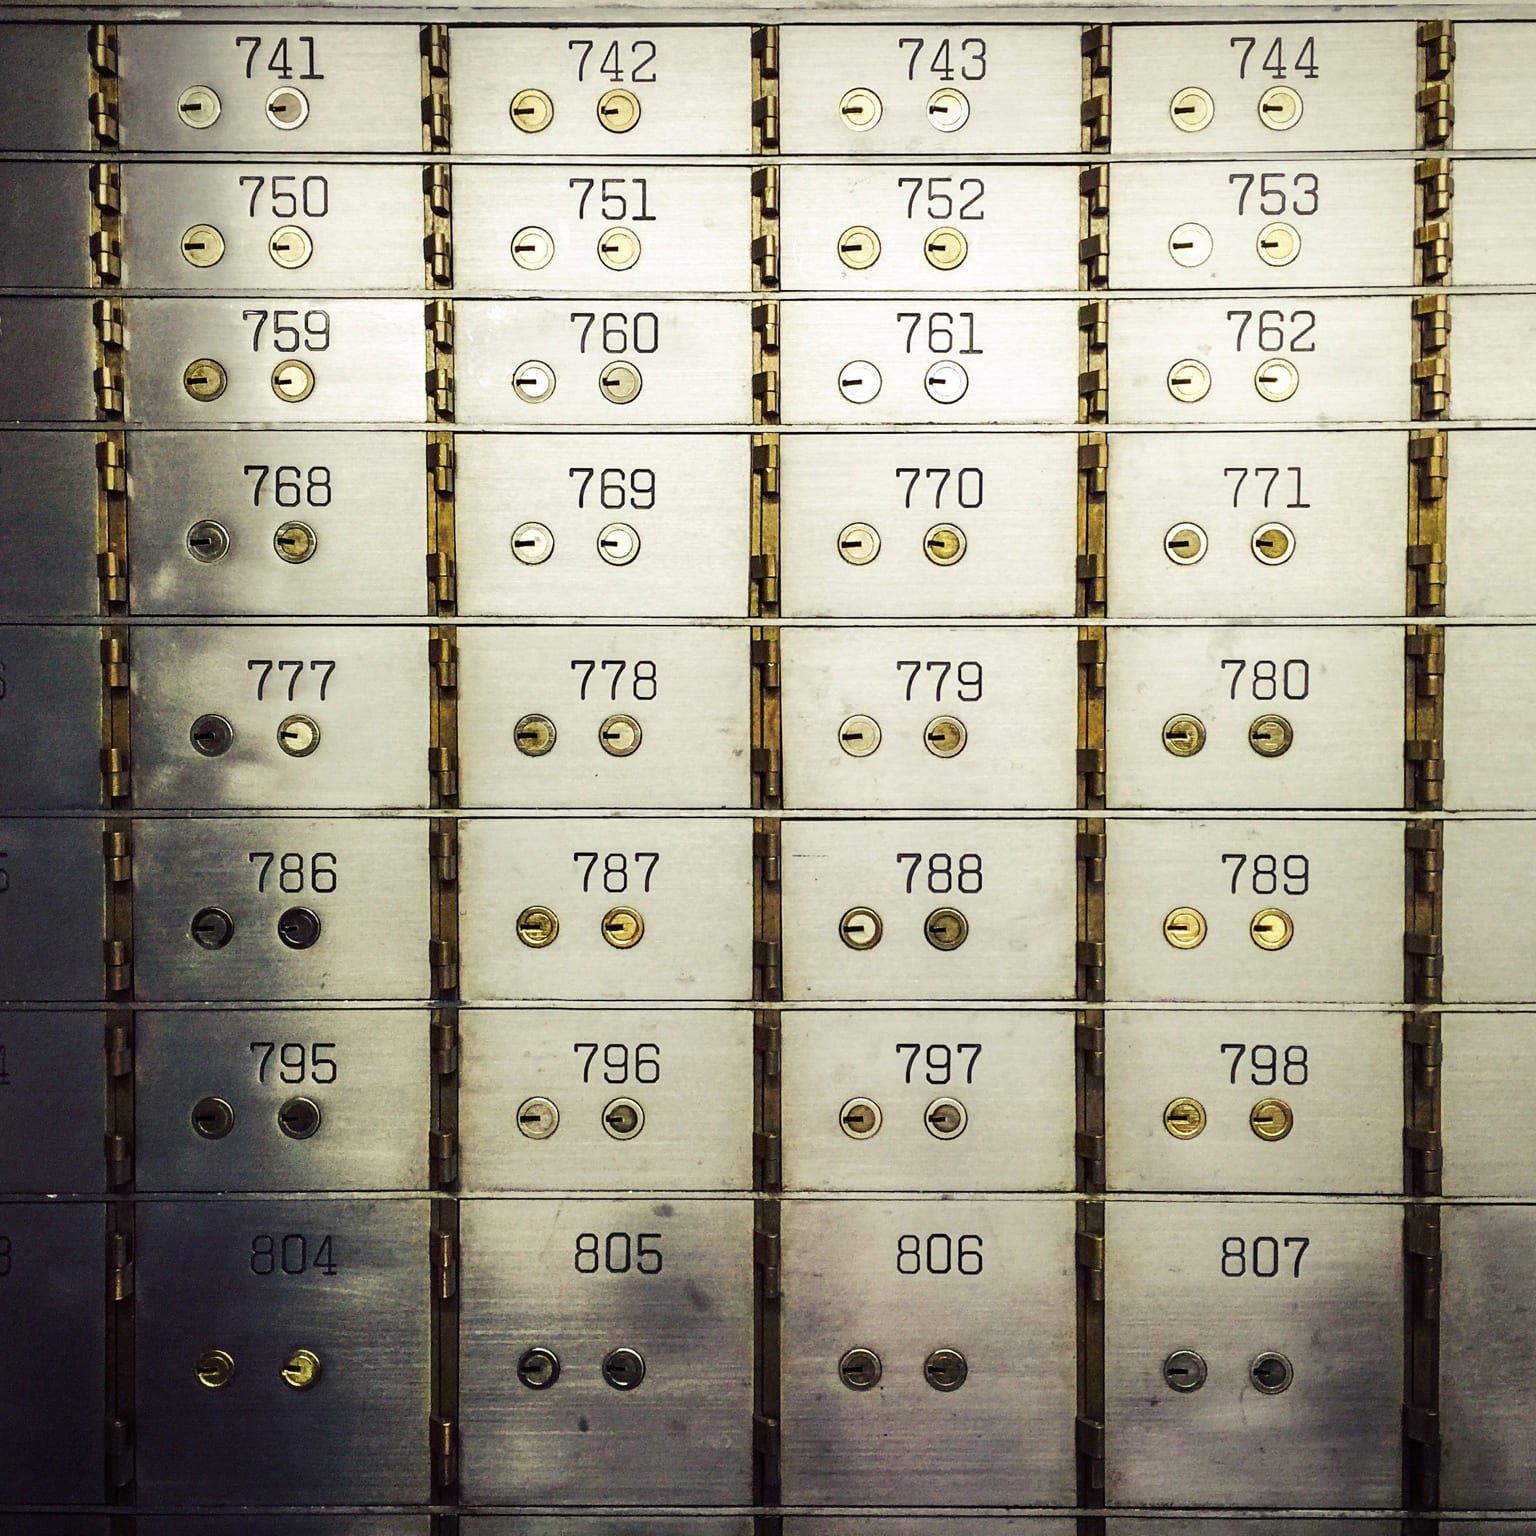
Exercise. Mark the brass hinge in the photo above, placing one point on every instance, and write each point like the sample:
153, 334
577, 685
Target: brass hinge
766, 1255
765, 260
1090, 1438
439, 256
1422, 1031
1096, 49
106, 256
437, 185
1436, 114
767, 960
765, 465
120, 1265
444, 661
445, 857
1435, 186
765, 188
766, 769
1093, 189
765, 89
1432, 383
765, 324
119, 856
767, 1034
1093, 377
443, 767
114, 660
1091, 657
1437, 43
767, 851
440, 392
764, 571
1093, 257
1433, 240
445, 1264
104, 50
1421, 1233
766, 658
105, 128
120, 1457
440, 323
119, 1050
440, 577
443, 1150
767, 1160
1089, 1035
114, 772
1095, 119
107, 315
1091, 843
1090, 1253
444, 960
445, 1044
113, 575
119, 970
441, 460
435, 116
119, 1159
1427, 452
445, 1458
106, 188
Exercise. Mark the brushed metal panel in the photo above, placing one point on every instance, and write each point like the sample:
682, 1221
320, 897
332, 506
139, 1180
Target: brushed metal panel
51, 939
1011, 1072
1352, 364
1339, 688
365, 1071
1014, 690
693, 224
59, 330
1018, 517
687, 689
685, 497
284, 1525
1353, 218
1494, 575
50, 718
1489, 697
691, 1073
1493, 245
52, 1419
1268, 1525
48, 73
694, 897
1333, 1438
1005, 1436
359, 1435
690, 1319
1022, 922
362, 85
365, 688
1347, 906
371, 895
1487, 893
607, 1525
1341, 1075
1489, 1062
693, 84
371, 368
1022, 86
1356, 85
1341, 496
55, 1525
1019, 224
44, 210
695, 365
48, 510
362, 495
1490, 329
364, 223
1493, 108
1487, 1330
829, 344
53, 1103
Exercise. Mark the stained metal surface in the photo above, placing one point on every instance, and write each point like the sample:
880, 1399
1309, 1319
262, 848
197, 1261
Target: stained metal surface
366, 880
1495, 576
692, 84
342, 1278
1338, 1073
361, 87
53, 882
680, 698
1005, 1436
362, 495
689, 1074
1008, 1074
1019, 223
1485, 881
45, 206
32, 329
1486, 1327
1487, 766
359, 1069
50, 718
47, 505
1327, 1303
53, 1111
1021, 934
352, 700
52, 1420
684, 876
1339, 497
689, 1317
1011, 692
684, 497
1338, 690
691, 227
254, 207
1020, 86
48, 68
1011, 496
1488, 1149
1343, 891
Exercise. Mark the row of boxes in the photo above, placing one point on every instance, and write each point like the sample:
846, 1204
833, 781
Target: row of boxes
1255, 1340
634, 909
979, 88
628, 228
689, 362
1207, 1101
648, 717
